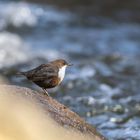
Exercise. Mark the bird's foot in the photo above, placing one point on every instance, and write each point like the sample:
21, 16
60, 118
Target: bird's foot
46, 93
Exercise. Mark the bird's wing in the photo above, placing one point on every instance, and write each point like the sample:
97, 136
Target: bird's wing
42, 72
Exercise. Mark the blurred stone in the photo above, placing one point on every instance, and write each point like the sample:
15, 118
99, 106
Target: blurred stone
137, 106
70, 85
106, 108
110, 59
91, 101
116, 120
88, 114
118, 109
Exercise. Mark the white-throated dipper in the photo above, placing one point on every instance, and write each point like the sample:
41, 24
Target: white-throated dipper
47, 75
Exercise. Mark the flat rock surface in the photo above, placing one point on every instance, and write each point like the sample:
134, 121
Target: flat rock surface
60, 113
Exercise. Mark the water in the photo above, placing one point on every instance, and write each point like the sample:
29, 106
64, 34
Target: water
102, 86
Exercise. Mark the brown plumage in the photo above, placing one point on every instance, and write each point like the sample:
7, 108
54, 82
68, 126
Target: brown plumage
47, 75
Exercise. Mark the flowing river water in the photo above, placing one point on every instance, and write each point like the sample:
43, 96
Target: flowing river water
102, 86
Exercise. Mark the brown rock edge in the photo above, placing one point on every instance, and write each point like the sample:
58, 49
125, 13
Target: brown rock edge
60, 113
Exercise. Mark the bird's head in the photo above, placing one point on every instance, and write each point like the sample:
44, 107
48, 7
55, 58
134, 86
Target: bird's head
61, 63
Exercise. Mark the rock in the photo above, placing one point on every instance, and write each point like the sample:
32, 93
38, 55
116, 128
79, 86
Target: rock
60, 113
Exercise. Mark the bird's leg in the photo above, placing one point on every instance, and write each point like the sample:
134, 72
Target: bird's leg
46, 92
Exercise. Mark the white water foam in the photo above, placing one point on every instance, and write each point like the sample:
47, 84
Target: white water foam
12, 49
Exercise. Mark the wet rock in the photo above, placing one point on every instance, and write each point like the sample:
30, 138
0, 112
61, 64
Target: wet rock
118, 109
110, 59
121, 119
116, 120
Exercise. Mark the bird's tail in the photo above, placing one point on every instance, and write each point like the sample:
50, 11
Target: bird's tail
20, 73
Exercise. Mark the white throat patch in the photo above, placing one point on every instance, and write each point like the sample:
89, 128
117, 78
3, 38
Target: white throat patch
61, 73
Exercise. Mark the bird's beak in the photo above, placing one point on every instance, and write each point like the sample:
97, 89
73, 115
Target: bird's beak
70, 64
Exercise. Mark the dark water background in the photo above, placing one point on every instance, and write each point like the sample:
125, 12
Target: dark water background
102, 39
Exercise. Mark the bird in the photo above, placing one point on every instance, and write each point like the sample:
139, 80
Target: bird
47, 75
